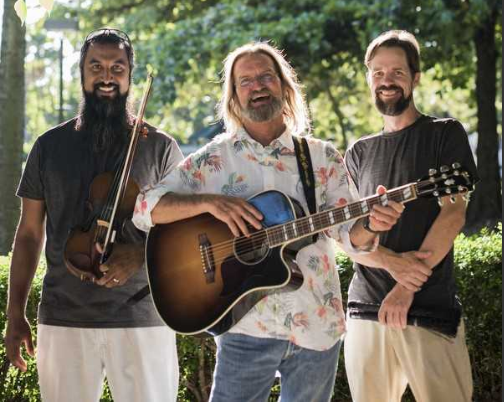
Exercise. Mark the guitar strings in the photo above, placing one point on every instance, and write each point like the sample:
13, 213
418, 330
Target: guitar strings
223, 250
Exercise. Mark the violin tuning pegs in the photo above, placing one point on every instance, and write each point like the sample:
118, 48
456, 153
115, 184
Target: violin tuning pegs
440, 201
432, 172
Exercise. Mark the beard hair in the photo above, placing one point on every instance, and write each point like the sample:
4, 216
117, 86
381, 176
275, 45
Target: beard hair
107, 120
393, 108
264, 112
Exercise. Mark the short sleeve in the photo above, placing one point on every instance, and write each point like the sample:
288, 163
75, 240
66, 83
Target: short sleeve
455, 148
31, 184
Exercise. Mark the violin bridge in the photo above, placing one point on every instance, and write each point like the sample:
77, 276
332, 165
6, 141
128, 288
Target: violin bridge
99, 222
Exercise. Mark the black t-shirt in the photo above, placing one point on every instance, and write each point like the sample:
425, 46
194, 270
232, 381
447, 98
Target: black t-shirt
394, 159
59, 171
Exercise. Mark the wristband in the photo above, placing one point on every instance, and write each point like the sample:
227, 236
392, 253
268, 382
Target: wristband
365, 225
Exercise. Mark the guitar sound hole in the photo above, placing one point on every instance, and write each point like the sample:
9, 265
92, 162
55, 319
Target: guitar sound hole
251, 250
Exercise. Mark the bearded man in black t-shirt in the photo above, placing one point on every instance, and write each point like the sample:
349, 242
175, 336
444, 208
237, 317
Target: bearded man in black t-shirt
404, 323
90, 327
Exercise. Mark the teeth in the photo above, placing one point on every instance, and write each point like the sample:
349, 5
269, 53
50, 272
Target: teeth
106, 89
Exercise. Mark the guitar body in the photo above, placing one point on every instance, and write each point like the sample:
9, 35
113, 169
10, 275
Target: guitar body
243, 271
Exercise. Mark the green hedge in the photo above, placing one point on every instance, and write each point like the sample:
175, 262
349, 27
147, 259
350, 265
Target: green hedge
479, 276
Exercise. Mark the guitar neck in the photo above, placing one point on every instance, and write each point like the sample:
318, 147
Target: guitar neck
309, 225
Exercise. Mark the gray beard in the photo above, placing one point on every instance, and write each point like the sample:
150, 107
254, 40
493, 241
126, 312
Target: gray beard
264, 112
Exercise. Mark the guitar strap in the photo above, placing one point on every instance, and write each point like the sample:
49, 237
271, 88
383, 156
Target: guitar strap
305, 168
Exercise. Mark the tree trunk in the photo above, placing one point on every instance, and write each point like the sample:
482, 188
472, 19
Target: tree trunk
12, 111
485, 208
341, 118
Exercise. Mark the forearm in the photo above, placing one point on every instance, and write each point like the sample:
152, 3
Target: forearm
360, 237
173, 207
375, 259
442, 233
24, 262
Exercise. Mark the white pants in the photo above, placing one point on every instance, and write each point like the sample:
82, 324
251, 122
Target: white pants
140, 364
381, 361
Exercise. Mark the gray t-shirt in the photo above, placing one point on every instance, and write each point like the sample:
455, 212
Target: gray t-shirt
394, 159
59, 171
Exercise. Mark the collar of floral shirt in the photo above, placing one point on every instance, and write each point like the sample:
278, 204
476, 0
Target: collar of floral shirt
285, 140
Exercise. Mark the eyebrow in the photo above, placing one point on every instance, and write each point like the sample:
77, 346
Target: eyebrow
269, 70
118, 61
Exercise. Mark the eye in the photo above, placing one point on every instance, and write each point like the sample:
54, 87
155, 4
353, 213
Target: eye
378, 74
95, 67
245, 82
399, 72
267, 78
118, 68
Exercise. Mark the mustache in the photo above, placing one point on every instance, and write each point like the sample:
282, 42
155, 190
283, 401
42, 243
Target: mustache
389, 88
102, 84
256, 94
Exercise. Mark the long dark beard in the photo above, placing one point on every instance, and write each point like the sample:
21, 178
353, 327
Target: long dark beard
395, 108
264, 112
107, 120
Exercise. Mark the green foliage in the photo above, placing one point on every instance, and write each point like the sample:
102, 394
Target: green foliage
478, 261
186, 41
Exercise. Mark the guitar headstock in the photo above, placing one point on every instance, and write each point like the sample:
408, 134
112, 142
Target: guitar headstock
448, 181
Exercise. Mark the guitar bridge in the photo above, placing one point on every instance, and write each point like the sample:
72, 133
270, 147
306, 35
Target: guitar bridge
207, 258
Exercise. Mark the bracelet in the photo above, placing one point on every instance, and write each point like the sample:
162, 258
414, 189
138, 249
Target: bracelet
365, 225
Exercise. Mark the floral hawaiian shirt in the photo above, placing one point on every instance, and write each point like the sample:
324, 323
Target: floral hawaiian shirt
236, 165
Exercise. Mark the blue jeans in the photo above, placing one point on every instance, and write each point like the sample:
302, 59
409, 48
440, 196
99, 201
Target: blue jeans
246, 367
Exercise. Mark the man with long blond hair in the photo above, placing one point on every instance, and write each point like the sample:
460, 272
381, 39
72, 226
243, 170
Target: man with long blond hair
296, 334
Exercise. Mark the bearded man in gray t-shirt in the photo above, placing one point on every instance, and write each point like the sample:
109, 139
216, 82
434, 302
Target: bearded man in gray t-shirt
409, 278
91, 326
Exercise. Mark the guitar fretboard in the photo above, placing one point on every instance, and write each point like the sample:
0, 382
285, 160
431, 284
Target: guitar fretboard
306, 226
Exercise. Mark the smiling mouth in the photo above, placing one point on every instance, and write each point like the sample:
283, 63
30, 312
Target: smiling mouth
260, 100
106, 90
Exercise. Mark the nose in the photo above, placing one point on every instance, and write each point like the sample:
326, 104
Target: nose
388, 78
107, 76
257, 84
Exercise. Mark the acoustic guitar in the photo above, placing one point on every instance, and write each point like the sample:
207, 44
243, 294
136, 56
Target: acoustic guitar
203, 280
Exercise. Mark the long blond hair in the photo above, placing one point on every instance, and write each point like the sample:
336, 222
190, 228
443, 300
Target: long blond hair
295, 110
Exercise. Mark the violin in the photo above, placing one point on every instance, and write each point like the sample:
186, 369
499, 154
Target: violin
111, 201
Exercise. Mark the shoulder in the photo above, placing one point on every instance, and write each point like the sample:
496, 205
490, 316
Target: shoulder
157, 135
443, 123
58, 133
323, 151
364, 143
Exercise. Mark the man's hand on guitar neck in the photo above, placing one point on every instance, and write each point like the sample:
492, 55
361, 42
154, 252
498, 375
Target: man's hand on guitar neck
381, 219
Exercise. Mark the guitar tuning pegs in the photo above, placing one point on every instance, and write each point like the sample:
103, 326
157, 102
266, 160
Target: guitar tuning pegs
435, 193
453, 199
444, 169
432, 172
448, 190
440, 201
456, 165
466, 196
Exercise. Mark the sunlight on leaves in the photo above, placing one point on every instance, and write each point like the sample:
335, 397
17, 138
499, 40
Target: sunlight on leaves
20, 8
47, 4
